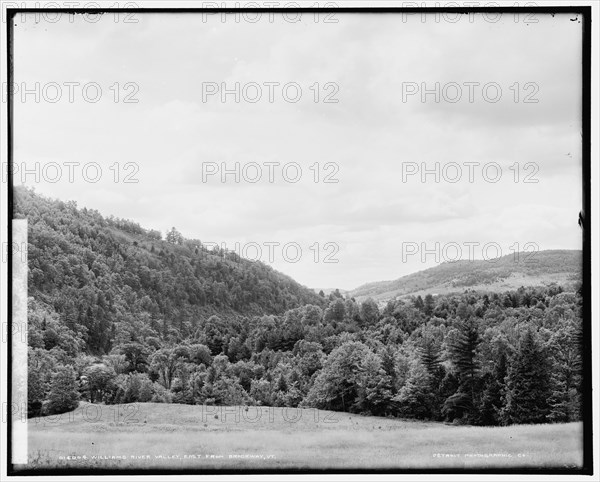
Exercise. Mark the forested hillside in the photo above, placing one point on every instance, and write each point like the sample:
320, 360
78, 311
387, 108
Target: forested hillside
104, 277
508, 272
116, 315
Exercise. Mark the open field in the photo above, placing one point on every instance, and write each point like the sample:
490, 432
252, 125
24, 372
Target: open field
162, 436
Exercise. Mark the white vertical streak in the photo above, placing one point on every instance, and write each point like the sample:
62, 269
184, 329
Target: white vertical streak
19, 342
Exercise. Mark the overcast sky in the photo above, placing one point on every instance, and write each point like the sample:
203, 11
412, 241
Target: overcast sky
370, 135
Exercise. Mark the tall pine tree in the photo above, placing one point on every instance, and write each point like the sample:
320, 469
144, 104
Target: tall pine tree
463, 354
528, 384
492, 397
565, 349
429, 355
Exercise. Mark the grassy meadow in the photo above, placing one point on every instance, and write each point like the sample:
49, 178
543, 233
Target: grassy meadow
164, 436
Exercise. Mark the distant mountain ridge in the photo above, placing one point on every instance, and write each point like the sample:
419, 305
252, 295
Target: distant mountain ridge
506, 273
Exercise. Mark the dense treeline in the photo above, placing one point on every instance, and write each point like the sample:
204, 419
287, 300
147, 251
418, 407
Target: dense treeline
104, 275
471, 358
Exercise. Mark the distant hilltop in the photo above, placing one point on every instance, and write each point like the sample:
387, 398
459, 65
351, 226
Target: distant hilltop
563, 267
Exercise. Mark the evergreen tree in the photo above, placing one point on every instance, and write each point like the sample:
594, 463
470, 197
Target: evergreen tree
389, 365
428, 305
528, 384
492, 397
429, 354
566, 348
463, 354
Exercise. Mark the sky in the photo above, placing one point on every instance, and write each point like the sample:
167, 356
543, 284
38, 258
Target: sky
143, 102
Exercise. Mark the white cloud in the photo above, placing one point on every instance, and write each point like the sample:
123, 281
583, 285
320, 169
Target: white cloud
369, 133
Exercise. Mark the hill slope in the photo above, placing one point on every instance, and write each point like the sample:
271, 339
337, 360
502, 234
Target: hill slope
509, 272
96, 272
119, 316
